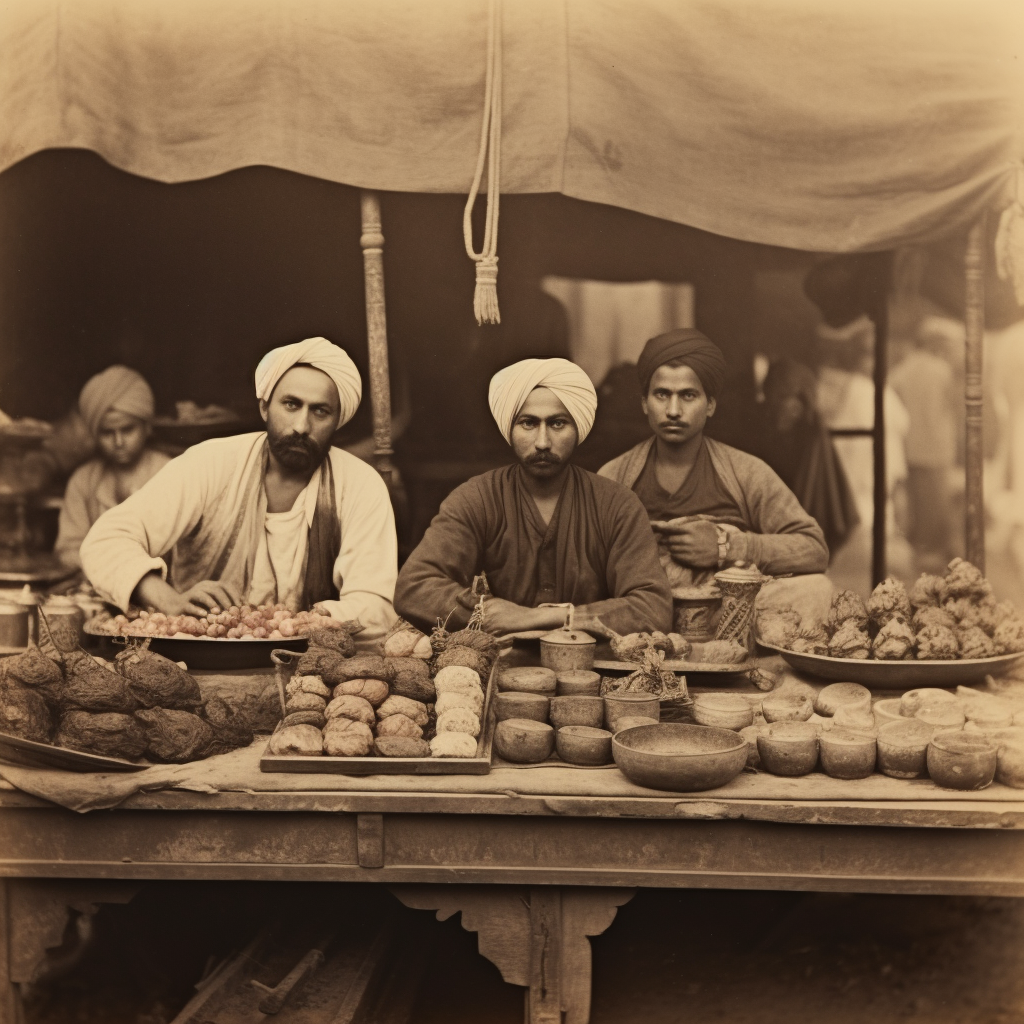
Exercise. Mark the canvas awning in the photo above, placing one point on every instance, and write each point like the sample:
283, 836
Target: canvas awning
804, 123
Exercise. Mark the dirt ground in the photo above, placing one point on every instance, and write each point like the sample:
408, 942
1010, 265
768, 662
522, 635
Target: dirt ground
670, 956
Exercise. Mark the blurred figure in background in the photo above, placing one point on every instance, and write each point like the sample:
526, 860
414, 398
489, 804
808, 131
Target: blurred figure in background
117, 407
794, 442
925, 384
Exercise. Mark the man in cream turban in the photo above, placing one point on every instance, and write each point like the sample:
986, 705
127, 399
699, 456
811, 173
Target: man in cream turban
542, 530
712, 505
117, 408
274, 517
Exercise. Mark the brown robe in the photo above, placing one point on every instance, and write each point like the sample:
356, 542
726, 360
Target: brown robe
597, 552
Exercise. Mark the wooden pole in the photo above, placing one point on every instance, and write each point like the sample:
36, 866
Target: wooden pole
880, 492
974, 317
372, 242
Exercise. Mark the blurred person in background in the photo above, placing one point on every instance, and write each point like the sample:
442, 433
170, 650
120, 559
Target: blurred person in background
924, 381
117, 408
793, 440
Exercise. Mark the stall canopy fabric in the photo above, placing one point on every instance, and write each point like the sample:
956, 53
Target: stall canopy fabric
822, 125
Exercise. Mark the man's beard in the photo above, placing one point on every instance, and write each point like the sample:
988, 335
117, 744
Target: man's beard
298, 453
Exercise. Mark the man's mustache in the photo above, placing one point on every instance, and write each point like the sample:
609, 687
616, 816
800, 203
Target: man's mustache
542, 460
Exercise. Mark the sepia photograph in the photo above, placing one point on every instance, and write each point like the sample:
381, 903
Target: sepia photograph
511, 511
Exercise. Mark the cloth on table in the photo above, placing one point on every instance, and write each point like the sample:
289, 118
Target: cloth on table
597, 552
204, 506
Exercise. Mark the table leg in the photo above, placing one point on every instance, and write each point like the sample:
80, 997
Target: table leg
536, 937
10, 996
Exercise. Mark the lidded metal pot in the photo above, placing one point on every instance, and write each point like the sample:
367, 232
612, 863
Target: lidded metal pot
567, 649
13, 624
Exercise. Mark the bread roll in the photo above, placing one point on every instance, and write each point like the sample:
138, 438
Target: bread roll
396, 705
373, 690
472, 701
350, 706
305, 702
308, 684
453, 744
344, 737
400, 746
457, 679
459, 720
297, 740
399, 725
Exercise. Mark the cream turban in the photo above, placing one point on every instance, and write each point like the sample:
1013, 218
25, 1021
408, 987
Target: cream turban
116, 388
512, 386
320, 353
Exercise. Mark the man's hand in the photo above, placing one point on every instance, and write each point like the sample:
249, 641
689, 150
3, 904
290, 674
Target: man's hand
153, 592
502, 616
693, 544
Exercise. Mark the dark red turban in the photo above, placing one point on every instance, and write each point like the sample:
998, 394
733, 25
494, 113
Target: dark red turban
687, 344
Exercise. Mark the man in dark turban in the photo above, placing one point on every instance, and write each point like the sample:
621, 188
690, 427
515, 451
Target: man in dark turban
710, 505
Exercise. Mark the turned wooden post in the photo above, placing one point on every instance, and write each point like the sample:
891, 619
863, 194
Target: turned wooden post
974, 455
372, 242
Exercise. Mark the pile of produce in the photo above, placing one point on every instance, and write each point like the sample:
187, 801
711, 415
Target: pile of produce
633, 646
262, 622
419, 697
142, 705
942, 618
651, 677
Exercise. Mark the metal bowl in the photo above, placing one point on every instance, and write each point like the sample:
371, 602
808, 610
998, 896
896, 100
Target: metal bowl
679, 757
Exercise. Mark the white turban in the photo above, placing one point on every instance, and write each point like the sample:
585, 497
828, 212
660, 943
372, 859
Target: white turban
319, 353
119, 389
512, 386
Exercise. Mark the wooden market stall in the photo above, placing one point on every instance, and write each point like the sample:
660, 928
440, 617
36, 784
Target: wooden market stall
825, 129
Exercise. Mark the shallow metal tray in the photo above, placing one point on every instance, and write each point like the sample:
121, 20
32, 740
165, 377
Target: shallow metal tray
897, 675
202, 653
30, 754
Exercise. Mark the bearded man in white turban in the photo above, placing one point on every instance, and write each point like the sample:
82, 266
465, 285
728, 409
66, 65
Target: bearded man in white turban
544, 531
274, 517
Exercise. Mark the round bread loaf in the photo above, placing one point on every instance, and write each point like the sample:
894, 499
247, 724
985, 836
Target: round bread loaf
297, 740
396, 705
457, 679
465, 656
304, 718
374, 691
308, 684
839, 695
459, 720
398, 725
446, 701
401, 746
344, 737
453, 744
303, 701
348, 705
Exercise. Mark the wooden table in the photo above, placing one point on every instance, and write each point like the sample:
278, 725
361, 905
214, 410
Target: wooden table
535, 875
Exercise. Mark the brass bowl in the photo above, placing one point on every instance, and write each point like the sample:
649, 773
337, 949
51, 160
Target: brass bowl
679, 757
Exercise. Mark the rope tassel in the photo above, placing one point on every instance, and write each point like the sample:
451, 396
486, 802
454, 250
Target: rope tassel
485, 298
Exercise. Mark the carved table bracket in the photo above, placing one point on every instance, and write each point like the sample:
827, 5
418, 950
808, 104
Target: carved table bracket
536, 937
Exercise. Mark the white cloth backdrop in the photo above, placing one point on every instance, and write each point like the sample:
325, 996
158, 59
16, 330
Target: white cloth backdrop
816, 124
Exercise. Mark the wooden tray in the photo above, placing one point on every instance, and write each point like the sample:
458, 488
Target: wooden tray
29, 754
326, 765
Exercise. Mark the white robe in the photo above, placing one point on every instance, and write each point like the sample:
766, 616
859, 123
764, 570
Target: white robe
191, 505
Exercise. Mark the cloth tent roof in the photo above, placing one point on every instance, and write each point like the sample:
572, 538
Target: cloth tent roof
804, 123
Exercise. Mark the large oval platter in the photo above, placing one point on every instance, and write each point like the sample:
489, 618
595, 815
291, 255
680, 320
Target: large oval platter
897, 675
201, 652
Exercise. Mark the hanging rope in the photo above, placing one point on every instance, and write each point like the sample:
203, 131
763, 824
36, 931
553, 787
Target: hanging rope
485, 298
1010, 238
